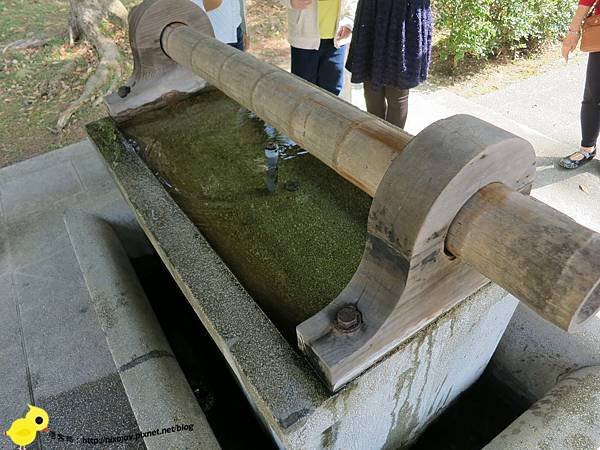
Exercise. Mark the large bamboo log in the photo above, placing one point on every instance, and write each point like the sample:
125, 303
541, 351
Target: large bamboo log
357, 145
449, 204
536, 252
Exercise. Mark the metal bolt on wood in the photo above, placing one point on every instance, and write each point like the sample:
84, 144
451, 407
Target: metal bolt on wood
348, 319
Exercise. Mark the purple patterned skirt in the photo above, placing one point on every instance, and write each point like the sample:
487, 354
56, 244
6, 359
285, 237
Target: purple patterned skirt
391, 43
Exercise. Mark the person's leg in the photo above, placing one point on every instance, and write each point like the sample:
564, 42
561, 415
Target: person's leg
305, 64
240, 39
375, 99
590, 107
590, 117
397, 106
331, 66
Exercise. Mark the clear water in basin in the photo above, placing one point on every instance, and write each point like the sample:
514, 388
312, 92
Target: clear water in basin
294, 249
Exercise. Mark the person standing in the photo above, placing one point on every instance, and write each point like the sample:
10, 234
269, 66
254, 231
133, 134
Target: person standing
228, 19
590, 107
390, 53
229, 23
319, 32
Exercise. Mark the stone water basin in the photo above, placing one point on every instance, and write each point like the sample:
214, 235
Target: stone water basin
255, 264
295, 249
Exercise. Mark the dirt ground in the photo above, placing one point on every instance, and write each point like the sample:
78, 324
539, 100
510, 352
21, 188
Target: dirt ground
37, 84
267, 23
477, 77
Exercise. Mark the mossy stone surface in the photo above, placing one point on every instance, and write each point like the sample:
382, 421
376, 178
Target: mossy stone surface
293, 250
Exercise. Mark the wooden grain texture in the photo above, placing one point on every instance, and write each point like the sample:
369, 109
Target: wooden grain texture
553, 275
156, 78
413, 270
406, 279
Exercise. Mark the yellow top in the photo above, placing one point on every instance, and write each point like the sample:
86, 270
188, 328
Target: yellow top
328, 16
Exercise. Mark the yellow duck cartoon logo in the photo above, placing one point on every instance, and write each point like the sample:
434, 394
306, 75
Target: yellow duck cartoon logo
24, 431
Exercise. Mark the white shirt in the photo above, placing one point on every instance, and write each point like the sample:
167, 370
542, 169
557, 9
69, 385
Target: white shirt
226, 19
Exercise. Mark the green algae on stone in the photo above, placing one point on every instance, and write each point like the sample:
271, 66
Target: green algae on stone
293, 251
106, 137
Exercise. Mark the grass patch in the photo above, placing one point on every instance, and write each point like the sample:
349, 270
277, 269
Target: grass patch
21, 19
37, 84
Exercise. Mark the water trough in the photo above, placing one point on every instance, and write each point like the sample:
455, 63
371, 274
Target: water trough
395, 333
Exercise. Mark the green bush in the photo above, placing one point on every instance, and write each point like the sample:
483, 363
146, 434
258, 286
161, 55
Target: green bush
482, 28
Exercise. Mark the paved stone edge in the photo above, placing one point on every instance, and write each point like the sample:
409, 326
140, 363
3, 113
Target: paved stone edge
277, 379
158, 392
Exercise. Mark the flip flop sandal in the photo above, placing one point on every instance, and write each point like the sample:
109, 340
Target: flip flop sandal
570, 163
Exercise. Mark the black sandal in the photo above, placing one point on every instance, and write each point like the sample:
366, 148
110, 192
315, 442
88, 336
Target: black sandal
570, 163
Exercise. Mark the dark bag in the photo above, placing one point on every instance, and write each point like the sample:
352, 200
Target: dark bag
590, 32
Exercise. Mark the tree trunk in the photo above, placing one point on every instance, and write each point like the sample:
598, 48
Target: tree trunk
84, 23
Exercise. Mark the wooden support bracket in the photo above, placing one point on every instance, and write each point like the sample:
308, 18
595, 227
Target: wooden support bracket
156, 78
406, 279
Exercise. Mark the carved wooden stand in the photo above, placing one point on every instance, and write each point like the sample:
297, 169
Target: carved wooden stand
450, 209
406, 279
156, 78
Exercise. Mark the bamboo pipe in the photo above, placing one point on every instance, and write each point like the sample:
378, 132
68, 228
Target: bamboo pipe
532, 250
331, 129
540, 255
